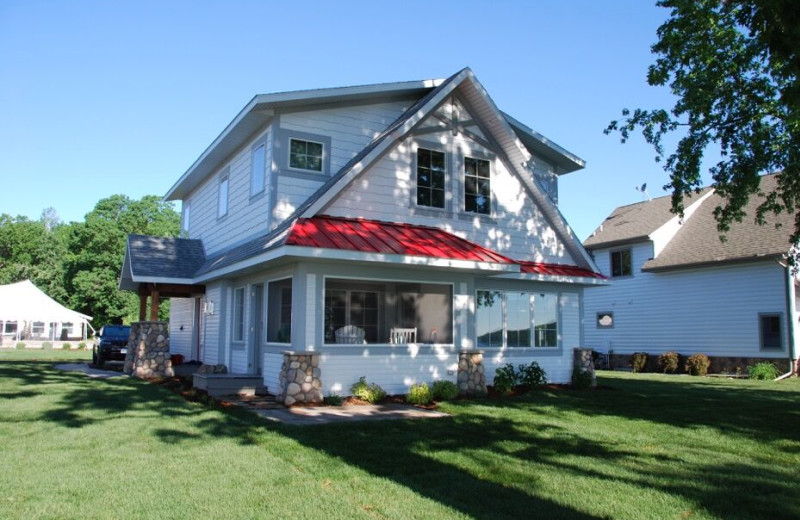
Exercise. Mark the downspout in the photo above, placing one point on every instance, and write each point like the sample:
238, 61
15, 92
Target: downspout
791, 317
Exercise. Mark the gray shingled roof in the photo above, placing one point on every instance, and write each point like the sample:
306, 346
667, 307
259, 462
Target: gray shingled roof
698, 240
635, 222
165, 257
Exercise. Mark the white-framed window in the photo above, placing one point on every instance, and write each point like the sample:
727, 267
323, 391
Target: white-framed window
258, 164
37, 328
516, 319
305, 155
431, 174
357, 308
477, 186
279, 311
238, 314
769, 332
222, 198
621, 263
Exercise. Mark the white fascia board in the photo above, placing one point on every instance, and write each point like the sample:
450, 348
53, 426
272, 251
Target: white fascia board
568, 156
344, 92
387, 143
553, 278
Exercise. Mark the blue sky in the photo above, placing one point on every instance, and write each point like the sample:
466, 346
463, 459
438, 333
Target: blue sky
99, 97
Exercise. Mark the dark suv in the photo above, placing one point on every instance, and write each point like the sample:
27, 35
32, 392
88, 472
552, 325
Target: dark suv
111, 344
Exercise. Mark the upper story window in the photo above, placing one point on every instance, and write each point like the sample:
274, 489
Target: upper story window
477, 186
621, 263
305, 155
222, 197
257, 169
430, 178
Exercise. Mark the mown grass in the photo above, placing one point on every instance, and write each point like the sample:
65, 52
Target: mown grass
29, 354
649, 447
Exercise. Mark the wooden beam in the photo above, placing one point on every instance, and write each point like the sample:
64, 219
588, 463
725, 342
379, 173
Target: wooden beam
142, 305
154, 303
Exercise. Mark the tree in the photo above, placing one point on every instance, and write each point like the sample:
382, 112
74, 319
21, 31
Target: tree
734, 67
97, 248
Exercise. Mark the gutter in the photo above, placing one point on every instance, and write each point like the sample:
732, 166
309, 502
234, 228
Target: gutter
791, 317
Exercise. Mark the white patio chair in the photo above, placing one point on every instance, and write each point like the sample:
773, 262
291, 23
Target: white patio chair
399, 336
350, 335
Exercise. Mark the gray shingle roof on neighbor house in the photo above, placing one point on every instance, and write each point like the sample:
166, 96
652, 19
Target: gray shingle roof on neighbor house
165, 257
697, 242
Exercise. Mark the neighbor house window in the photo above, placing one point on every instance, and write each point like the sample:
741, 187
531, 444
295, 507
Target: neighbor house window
477, 186
430, 178
516, 319
279, 312
605, 320
37, 328
621, 264
222, 202
305, 155
10, 327
769, 328
257, 169
238, 314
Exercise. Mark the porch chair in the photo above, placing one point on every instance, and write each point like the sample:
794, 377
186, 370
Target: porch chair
398, 336
350, 335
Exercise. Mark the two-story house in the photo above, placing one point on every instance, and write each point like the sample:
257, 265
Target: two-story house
675, 286
385, 228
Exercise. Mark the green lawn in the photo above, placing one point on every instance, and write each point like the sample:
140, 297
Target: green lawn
648, 447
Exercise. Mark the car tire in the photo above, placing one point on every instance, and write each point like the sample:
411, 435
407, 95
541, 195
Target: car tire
99, 361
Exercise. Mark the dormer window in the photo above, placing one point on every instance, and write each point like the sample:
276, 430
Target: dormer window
305, 155
430, 178
477, 186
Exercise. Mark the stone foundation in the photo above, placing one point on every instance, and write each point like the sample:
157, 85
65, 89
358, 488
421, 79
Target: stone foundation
719, 364
471, 375
148, 350
583, 362
300, 381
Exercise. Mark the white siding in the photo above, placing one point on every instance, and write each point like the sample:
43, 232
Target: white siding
711, 310
386, 192
181, 315
210, 340
350, 128
291, 192
238, 362
271, 370
245, 217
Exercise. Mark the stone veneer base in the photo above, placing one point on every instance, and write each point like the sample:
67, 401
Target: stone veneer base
300, 379
148, 350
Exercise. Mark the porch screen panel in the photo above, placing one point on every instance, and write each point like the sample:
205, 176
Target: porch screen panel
279, 312
546, 320
518, 308
490, 319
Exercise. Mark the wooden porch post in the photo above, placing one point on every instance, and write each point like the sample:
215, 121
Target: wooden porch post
142, 305
154, 303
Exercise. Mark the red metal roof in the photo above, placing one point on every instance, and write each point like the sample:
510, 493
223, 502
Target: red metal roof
373, 236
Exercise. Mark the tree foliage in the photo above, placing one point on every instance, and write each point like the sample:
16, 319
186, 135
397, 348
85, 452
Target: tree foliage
733, 66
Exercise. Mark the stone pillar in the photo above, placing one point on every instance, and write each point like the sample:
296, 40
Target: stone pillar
300, 378
148, 350
583, 362
471, 375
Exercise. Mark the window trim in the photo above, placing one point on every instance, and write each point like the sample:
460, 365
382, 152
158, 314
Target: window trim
463, 175
304, 170
185, 218
280, 155
267, 288
611, 254
223, 178
761, 316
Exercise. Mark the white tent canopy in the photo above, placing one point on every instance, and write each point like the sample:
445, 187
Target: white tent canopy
24, 302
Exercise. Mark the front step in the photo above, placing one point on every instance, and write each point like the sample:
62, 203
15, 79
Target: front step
228, 384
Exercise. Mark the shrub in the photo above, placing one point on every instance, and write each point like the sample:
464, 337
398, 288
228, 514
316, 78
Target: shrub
66, 346
20, 345
505, 379
47, 346
532, 375
82, 345
763, 370
697, 364
369, 392
419, 394
668, 362
638, 361
444, 390
581, 379
333, 400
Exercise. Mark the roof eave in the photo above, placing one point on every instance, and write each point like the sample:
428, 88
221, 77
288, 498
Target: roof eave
574, 280
566, 161
712, 263
617, 243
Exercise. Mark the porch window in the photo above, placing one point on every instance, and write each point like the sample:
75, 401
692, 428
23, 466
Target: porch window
621, 264
516, 319
368, 312
238, 314
305, 155
477, 186
430, 178
279, 312
769, 327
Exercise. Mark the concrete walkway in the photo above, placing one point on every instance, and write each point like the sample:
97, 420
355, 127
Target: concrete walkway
88, 370
333, 414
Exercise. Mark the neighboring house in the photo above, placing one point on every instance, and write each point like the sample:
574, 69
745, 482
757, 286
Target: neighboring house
386, 227
676, 286
27, 313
